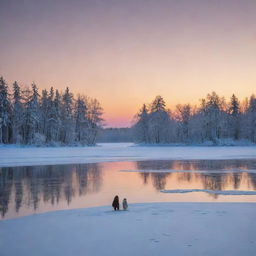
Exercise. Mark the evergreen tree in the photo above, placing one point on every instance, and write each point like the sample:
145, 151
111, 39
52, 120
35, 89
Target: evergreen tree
67, 134
5, 112
214, 117
81, 119
141, 127
17, 115
251, 115
234, 118
159, 122
51, 118
57, 117
33, 117
158, 105
44, 106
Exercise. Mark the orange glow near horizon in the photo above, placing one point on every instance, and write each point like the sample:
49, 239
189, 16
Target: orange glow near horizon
125, 53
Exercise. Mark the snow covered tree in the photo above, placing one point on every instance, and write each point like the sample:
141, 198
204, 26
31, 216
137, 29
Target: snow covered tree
94, 120
158, 105
214, 117
55, 118
5, 112
33, 117
183, 115
17, 114
141, 128
234, 118
67, 131
197, 127
51, 127
212, 122
155, 126
80, 119
59, 117
44, 106
251, 117
159, 122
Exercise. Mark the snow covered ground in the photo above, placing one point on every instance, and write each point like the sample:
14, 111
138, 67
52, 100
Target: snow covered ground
210, 229
21, 156
178, 229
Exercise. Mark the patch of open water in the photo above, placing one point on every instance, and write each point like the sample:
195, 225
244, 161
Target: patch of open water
37, 189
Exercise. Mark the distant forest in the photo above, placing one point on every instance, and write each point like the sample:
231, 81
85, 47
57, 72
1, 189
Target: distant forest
115, 135
55, 118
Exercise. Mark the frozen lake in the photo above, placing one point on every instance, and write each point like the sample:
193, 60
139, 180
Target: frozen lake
37, 189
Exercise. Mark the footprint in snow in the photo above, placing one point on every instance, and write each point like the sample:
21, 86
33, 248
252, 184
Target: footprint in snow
222, 212
154, 240
165, 234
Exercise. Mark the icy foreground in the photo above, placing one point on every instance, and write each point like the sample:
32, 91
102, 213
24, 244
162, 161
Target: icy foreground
21, 156
146, 229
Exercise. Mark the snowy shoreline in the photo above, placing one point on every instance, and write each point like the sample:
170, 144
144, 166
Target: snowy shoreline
146, 229
106, 152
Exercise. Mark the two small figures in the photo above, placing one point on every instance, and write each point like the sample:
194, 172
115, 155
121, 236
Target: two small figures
115, 203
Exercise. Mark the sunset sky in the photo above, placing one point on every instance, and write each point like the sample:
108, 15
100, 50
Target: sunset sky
125, 52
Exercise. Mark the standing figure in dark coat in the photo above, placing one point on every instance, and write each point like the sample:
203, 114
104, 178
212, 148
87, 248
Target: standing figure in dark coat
115, 203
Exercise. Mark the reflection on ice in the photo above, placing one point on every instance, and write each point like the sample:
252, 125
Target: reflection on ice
28, 190
33, 184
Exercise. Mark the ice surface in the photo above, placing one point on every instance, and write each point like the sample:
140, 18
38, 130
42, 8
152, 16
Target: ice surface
21, 156
216, 192
180, 229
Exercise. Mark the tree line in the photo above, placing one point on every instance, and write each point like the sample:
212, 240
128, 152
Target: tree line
26, 117
214, 121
